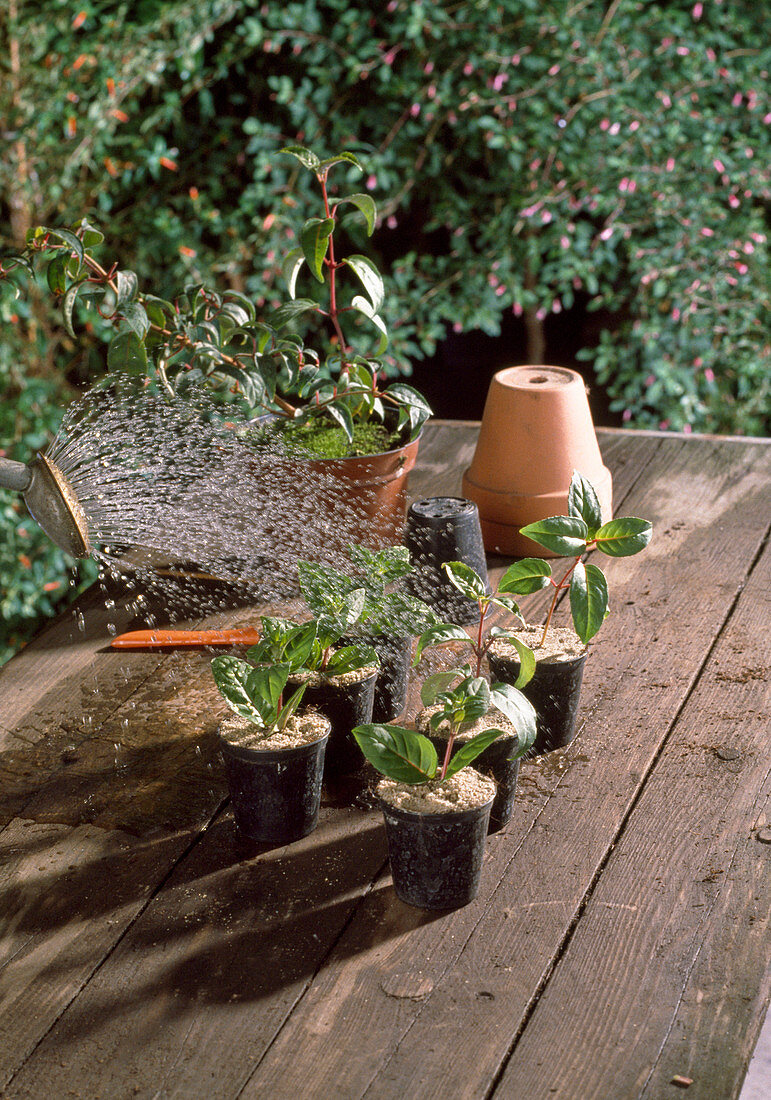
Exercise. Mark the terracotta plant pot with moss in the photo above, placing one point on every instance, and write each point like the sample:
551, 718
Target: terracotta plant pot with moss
536, 430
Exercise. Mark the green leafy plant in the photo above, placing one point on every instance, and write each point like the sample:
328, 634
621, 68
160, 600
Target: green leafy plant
221, 340
387, 609
472, 586
311, 646
256, 694
409, 757
572, 536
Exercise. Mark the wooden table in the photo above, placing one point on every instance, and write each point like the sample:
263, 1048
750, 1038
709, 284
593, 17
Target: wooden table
620, 938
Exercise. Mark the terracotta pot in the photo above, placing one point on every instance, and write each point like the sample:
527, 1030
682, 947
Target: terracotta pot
536, 430
328, 503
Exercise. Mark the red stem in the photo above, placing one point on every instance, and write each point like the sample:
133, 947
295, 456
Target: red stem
447, 755
332, 265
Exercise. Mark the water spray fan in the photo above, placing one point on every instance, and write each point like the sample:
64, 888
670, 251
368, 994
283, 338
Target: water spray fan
50, 500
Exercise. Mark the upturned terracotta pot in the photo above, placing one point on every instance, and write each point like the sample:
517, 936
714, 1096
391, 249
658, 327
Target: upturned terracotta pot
536, 430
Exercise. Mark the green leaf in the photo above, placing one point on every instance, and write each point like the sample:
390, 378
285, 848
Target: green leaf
68, 305
508, 603
466, 580
251, 692
588, 600
127, 285
435, 685
299, 645
314, 238
520, 712
126, 352
135, 316
70, 239
340, 158
397, 753
524, 652
564, 535
305, 156
290, 268
471, 750
290, 707
56, 275
620, 538
363, 305
323, 587
584, 503
366, 204
370, 277
350, 658
525, 576
290, 311
440, 634
341, 414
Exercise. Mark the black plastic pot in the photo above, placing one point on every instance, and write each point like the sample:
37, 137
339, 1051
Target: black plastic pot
436, 859
554, 691
441, 529
496, 762
346, 706
276, 793
393, 676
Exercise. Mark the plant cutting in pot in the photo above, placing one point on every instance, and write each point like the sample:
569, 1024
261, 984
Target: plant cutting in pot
561, 652
436, 814
274, 757
389, 619
338, 679
324, 397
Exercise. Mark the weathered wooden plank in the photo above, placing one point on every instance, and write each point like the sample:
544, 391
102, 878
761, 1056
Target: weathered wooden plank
665, 971
473, 974
195, 992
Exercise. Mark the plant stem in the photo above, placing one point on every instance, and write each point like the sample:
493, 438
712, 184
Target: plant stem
447, 754
332, 265
479, 648
557, 589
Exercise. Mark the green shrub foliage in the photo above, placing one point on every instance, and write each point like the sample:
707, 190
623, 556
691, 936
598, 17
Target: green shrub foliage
537, 154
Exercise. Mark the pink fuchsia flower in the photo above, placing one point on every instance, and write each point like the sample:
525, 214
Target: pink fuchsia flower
733, 201
665, 99
698, 361
468, 69
457, 327
556, 306
500, 291
759, 238
607, 233
415, 110
391, 222
767, 118
709, 374
650, 379
706, 231
614, 129
718, 165
565, 242
516, 309
683, 51
541, 314
711, 55
749, 248
670, 165
663, 425
687, 429
605, 124
546, 217
634, 125
626, 415
696, 11
499, 81
428, 68
676, 314
371, 182
554, 70
737, 100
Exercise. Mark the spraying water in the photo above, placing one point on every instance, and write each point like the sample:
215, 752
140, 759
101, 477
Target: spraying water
174, 492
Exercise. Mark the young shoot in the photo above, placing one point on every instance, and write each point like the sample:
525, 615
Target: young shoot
409, 757
471, 585
256, 694
572, 536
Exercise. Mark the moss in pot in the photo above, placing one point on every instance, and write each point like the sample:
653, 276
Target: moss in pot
436, 814
561, 652
338, 680
389, 618
274, 757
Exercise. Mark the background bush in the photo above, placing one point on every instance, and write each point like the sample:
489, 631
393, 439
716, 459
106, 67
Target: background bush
525, 155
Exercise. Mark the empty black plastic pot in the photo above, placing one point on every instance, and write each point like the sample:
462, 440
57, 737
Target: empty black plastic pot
554, 691
441, 529
436, 859
276, 793
346, 705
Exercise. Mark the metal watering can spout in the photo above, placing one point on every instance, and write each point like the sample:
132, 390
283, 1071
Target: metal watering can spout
51, 501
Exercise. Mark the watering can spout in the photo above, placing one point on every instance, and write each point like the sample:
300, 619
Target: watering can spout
51, 501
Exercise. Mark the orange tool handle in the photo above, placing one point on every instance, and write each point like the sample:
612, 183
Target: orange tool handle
164, 639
